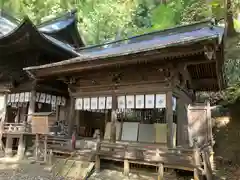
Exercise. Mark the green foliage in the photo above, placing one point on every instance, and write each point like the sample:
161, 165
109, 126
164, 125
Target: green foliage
105, 20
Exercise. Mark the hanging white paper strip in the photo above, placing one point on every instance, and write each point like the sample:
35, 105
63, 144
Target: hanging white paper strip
101, 103
54, 100
48, 98
109, 103
86, 103
149, 101
174, 103
130, 101
94, 103
160, 101
42, 98
139, 101
79, 104
59, 100
17, 97
27, 97
37, 97
9, 98
12, 97
121, 102
21, 99
63, 101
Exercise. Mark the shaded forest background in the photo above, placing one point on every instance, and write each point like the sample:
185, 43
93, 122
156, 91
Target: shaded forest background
106, 20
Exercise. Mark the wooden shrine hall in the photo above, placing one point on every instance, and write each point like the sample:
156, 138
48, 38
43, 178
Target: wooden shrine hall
134, 94
24, 44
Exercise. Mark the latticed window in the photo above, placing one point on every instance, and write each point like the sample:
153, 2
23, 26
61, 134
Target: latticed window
146, 116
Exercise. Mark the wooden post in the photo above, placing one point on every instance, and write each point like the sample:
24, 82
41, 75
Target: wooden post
36, 146
207, 165
160, 171
209, 124
9, 144
77, 121
197, 160
4, 113
57, 112
21, 147
45, 148
31, 108
71, 117
126, 167
169, 118
113, 118
50, 157
97, 158
126, 162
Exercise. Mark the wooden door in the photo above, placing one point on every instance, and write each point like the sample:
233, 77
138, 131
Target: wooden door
199, 123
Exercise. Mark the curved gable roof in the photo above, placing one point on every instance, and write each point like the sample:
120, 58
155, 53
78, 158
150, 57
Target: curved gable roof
15, 35
63, 28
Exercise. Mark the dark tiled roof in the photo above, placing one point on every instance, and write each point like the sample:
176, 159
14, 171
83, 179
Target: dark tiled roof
9, 25
177, 36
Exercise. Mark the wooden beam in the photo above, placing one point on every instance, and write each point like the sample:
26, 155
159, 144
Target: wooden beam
87, 64
205, 82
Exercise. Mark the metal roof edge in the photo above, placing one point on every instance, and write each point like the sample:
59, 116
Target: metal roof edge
172, 29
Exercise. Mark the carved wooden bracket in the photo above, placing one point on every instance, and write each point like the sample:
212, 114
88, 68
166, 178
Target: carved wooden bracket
210, 52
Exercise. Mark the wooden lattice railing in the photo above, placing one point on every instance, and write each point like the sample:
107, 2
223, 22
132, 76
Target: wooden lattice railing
15, 128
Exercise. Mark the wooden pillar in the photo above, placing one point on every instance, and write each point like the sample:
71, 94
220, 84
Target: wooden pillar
71, 117
36, 146
31, 108
181, 121
4, 113
9, 144
197, 161
45, 148
58, 112
77, 121
169, 118
126, 167
50, 157
160, 171
97, 158
113, 118
21, 147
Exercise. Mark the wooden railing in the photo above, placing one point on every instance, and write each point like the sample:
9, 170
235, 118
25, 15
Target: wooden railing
194, 159
15, 128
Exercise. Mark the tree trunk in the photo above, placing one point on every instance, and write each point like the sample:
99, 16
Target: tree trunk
229, 19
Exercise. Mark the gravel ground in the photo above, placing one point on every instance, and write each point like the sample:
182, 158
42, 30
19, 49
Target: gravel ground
38, 172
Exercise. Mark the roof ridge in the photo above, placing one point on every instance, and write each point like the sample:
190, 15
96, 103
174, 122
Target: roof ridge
59, 17
9, 17
169, 30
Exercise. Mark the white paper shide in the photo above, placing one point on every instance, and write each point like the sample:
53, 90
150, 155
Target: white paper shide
86, 103
121, 102
139, 101
130, 101
109, 103
94, 103
101, 102
79, 104
149, 101
160, 101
